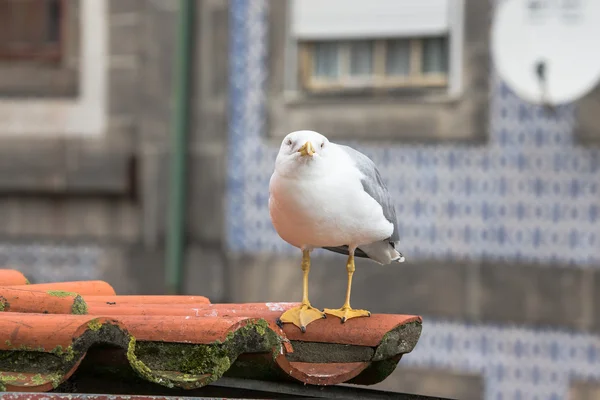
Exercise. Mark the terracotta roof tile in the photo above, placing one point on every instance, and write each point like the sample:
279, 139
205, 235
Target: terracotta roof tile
12, 277
50, 302
183, 341
91, 288
143, 300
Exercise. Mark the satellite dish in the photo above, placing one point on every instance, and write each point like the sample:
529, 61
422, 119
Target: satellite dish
547, 50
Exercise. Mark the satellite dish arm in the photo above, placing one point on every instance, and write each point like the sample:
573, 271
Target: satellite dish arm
540, 71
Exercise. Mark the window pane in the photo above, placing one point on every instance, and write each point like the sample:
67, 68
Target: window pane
435, 55
30, 29
325, 60
361, 58
397, 60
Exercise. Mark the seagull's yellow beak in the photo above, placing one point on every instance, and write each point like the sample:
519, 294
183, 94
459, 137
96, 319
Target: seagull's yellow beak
307, 149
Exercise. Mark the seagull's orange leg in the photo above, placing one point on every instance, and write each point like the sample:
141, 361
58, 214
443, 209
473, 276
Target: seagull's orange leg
304, 314
346, 312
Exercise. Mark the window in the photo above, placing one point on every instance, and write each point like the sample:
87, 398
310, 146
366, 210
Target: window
39, 48
345, 45
385, 63
31, 29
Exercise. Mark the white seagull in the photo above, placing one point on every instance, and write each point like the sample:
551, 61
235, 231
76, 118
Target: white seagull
326, 195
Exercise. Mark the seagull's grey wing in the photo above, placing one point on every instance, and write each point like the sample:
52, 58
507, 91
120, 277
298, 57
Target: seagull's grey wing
373, 184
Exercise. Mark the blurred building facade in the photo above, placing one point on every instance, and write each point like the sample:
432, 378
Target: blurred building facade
497, 200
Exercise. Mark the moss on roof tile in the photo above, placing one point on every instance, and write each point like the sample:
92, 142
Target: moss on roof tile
95, 324
400, 340
4, 304
194, 365
79, 306
60, 293
182, 365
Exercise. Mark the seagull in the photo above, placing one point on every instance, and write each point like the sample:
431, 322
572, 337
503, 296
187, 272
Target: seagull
330, 196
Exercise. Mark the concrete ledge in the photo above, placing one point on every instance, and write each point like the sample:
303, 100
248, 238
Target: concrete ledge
51, 170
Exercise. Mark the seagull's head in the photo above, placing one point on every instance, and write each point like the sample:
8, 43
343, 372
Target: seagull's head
302, 150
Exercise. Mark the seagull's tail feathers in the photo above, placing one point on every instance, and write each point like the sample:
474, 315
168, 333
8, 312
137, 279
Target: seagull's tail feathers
383, 252
399, 257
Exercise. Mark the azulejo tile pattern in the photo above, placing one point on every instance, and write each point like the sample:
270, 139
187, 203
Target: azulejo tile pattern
51, 262
529, 194
516, 363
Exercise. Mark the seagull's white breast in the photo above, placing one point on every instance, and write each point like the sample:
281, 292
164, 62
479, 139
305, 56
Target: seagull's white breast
331, 210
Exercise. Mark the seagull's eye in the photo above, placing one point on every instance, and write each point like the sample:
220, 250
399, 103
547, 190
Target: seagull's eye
289, 142
322, 144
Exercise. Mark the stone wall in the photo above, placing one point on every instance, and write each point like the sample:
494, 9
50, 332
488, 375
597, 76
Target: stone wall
110, 192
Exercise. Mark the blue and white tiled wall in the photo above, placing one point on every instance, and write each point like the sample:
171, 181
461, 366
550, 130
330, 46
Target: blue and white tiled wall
529, 194
42, 263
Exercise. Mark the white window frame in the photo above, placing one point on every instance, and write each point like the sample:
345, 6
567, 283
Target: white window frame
85, 115
296, 54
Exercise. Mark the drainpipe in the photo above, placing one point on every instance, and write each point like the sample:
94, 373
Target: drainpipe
178, 161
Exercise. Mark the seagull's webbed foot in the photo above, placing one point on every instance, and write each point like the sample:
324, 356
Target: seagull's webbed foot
302, 315
345, 313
